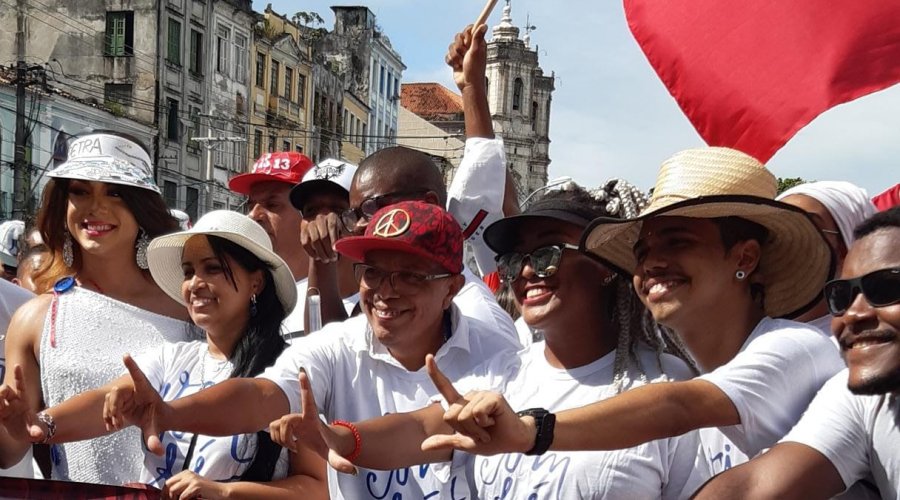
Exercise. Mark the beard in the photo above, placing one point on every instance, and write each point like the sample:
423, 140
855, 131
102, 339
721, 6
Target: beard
879, 384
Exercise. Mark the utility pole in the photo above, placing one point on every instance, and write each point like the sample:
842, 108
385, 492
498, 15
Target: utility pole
210, 142
20, 170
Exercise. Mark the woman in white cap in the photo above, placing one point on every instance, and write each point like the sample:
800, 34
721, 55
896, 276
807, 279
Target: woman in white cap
239, 291
715, 258
96, 297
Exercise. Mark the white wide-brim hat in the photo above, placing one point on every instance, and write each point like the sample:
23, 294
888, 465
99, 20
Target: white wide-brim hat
108, 158
165, 252
717, 182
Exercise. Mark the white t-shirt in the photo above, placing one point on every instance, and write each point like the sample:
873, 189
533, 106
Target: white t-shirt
664, 468
475, 300
293, 326
823, 324
860, 435
178, 370
354, 377
770, 381
11, 297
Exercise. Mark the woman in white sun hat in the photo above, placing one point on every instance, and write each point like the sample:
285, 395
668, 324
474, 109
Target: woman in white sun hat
96, 297
717, 260
238, 291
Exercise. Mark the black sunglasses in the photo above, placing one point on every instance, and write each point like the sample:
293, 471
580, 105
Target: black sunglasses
544, 261
364, 212
880, 288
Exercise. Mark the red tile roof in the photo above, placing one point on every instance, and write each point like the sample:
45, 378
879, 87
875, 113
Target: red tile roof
431, 101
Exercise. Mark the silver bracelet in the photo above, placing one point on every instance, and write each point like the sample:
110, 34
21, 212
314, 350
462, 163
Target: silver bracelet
47, 419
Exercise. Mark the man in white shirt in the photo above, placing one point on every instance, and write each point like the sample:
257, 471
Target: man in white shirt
268, 187
851, 430
409, 265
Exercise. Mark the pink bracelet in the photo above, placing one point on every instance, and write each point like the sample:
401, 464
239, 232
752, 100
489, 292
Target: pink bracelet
356, 438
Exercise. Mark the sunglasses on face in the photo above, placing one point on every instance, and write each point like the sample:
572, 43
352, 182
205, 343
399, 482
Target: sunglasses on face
403, 282
364, 212
880, 288
544, 262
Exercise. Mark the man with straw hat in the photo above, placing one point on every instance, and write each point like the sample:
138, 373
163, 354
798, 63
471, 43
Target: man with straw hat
717, 260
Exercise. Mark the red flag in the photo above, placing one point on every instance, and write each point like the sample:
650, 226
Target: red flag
750, 73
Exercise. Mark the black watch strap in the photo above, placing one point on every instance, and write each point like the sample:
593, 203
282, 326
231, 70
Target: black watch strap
544, 422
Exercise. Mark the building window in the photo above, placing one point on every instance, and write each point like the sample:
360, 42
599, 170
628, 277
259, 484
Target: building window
170, 193
196, 62
365, 130
286, 146
390, 78
534, 115
240, 58
288, 83
261, 70
517, 94
257, 143
223, 49
273, 72
119, 93
173, 53
195, 123
172, 124
381, 84
345, 123
119, 33
192, 199
396, 88
298, 148
272, 140
301, 89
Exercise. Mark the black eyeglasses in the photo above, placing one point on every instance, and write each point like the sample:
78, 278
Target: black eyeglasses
544, 261
402, 282
880, 288
353, 216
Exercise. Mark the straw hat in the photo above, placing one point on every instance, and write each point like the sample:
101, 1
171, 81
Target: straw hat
720, 182
164, 253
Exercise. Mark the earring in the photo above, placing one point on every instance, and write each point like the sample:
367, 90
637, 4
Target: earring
609, 279
740, 275
140, 256
68, 253
253, 306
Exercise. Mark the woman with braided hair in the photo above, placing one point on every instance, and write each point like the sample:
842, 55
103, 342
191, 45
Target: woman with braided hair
598, 342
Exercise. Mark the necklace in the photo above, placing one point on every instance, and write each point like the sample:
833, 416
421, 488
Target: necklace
216, 371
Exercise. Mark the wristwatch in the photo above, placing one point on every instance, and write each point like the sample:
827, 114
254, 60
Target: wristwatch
544, 422
47, 419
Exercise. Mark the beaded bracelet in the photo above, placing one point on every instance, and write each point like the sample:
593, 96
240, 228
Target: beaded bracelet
356, 438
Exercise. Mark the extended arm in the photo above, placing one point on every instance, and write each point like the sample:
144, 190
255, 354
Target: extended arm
789, 470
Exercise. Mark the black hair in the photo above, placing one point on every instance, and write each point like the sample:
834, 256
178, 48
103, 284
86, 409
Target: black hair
260, 345
406, 170
733, 230
881, 220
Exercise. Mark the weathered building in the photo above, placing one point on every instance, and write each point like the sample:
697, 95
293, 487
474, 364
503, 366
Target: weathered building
519, 97
356, 124
445, 149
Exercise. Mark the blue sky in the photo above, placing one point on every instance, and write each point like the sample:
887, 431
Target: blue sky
611, 116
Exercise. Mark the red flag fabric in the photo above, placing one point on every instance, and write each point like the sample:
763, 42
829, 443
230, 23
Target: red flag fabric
890, 198
750, 73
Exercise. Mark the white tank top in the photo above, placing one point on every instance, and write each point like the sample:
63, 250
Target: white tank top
91, 335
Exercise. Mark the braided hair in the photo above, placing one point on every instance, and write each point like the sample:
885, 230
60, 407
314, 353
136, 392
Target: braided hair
620, 199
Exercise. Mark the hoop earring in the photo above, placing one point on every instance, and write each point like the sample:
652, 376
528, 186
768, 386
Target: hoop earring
740, 275
253, 309
68, 254
140, 256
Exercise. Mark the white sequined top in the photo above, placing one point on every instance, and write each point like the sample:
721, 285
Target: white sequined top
92, 334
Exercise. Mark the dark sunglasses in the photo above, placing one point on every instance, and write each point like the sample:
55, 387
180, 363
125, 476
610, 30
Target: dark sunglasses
544, 261
880, 288
364, 212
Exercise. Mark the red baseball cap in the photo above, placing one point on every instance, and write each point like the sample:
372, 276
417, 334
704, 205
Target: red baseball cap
286, 166
413, 227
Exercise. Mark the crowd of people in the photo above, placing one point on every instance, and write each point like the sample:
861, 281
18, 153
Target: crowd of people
367, 332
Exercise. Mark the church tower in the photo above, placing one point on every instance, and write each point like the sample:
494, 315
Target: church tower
519, 97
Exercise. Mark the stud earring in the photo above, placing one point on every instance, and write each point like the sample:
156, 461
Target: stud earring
740, 275
140, 256
68, 253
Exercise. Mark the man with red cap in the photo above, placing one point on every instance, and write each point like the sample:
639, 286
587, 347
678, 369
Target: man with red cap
268, 187
409, 267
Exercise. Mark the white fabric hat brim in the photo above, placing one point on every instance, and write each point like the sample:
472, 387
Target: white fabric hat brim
796, 261
165, 252
104, 169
